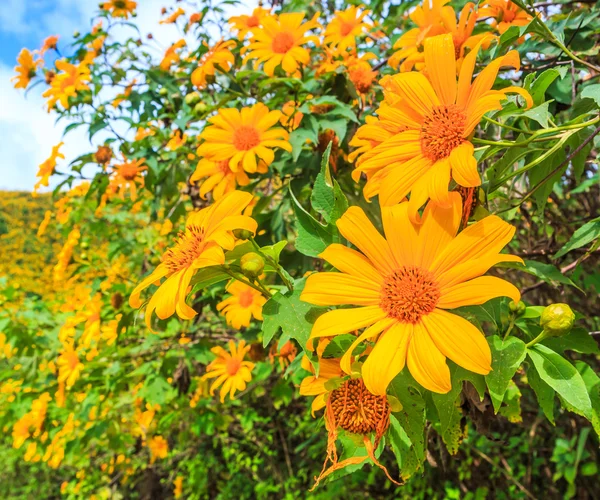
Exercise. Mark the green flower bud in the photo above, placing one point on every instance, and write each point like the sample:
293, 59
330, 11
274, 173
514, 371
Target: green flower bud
242, 234
557, 320
163, 91
101, 108
76, 34
192, 98
252, 265
200, 108
518, 309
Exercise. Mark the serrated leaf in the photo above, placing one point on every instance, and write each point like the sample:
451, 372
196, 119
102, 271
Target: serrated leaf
507, 356
540, 114
562, 376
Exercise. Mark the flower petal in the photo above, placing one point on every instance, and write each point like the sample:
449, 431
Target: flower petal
440, 60
426, 363
334, 289
350, 261
341, 321
464, 166
477, 291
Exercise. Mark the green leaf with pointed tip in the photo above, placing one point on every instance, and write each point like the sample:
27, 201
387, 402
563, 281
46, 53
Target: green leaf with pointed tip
507, 356
543, 392
584, 235
592, 383
327, 197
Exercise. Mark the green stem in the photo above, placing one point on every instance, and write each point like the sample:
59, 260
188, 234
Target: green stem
510, 327
243, 279
504, 125
539, 338
278, 268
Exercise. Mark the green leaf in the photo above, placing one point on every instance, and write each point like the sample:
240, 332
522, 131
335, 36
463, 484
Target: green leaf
592, 383
582, 236
274, 251
592, 92
540, 85
339, 345
540, 114
157, 390
543, 392
409, 447
286, 312
298, 139
507, 357
546, 272
511, 406
327, 197
313, 237
578, 340
562, 376
538, 173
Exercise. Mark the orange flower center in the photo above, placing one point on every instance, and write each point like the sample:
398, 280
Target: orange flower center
346, 28
508, 15
442, 131
362, 77
246, 298
409, 293
252, 21
189, 246
232, 365
129, 172
245, 138
119, 4
358, 411
282, 42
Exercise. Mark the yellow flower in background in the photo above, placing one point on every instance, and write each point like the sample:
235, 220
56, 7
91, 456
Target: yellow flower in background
280, 41
171, 55
219, 178
505, 14
230, 370
120, 8
142, 133
122, 97
291, 116
243, 137
244, 24
345, 27
173, 17
26, 69
177, 140
219, 56
127, 176
438, 114
49, 43
404, 283
46, 169
64, 256
69, 366
244, 304
67, 83
178, 487
206, 234
159, 448
360, 72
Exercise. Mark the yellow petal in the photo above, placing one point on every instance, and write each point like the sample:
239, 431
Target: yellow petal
376, 329
473, 268
334, 289
401, 234
464, 166
440, 61
350, 261
160, 272
426, 363
477, 291
346, 320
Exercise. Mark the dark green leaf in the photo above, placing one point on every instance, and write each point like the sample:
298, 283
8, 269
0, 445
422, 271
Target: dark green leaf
507, 357
582, 236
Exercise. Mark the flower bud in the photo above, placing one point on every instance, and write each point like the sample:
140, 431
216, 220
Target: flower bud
200, 108
192, 98
252, 265
518, 309
163, 91
557, 320
242, 234
116, 300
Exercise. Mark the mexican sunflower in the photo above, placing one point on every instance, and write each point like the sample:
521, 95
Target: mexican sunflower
26, 69
120, 8
71, 79
173, 17
69, 366
243, 137
219, 56
206, 234
505, 14
345, 26
218, 177
229, 369
439, 114
244, 23
404, 283
242, 305
279, 42
46, 169
127, 176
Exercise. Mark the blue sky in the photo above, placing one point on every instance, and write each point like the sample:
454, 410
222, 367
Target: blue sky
28, 132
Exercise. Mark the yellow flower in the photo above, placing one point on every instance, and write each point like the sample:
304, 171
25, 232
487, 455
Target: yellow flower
171, 55
173, 17
346, 25
120, 8
220, 179
404, 283
437, 115
65, 254
284, 356
244, 24
44, 224
159, 448
142, 133
49, 43
207, 232
127, 176
230, 370
69, 366
127, 92
26, 69
177, 140
313, 385
219, 56
242, 136
71, 80
505, 14
178, 487
360, 72
291, 115
46, 169
244, 303
279, 42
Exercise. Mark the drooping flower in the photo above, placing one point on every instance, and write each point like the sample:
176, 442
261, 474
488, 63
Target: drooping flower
284, 356
207, 233
69, 366
49, 43
291, 116
46, 169
345, 27
120, 8
280, 42
177, 140
244, 304
243, 137
172, 55
127, 176
173, 17
219, 56
219, 178
159, 448
505, 14
44, 224
26, 69
229, 369
404, 284
436, 114
67, 83
244, 24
